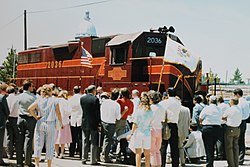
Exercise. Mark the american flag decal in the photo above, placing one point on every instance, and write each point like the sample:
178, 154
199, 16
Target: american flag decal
86, 57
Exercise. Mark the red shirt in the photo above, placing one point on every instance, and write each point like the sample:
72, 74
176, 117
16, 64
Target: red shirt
127, 103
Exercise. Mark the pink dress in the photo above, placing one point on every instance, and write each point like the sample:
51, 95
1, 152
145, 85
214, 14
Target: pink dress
63, 136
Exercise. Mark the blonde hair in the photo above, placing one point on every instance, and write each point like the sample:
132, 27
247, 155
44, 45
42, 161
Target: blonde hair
46, 90
64, 94
145, 105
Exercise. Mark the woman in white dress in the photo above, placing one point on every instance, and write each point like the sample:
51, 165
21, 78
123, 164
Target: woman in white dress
141, 130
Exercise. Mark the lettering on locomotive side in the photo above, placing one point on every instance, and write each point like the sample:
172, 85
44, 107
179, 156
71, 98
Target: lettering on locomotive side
54, 64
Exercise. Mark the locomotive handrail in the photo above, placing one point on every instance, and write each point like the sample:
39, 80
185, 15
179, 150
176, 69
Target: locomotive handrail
141, 58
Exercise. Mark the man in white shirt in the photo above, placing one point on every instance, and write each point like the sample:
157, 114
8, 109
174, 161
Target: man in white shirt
172, 107
76, 122
233, 118
11, 124
135, 98
210, 118
136, 101
244, 106
110, 112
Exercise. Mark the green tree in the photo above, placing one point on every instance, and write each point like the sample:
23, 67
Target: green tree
237, 79
8, 71
211, 77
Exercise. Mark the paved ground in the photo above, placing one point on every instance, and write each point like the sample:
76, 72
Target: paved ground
69, 162
77, 163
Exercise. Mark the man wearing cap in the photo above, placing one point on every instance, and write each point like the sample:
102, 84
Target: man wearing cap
76, 122
91, 122
110, 112
244, 106
210, 118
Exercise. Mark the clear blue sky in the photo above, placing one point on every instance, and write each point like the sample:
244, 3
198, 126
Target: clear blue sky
216, 31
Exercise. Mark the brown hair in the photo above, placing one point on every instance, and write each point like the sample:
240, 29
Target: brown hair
144, 102
155, 97
26, 84
125, 93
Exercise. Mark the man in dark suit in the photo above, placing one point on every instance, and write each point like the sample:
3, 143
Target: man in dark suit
91, 122
4, 113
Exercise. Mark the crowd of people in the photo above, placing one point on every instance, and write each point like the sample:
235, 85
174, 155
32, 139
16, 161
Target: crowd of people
119, 125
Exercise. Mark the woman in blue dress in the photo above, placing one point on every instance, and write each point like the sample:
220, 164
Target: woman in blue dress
48, 113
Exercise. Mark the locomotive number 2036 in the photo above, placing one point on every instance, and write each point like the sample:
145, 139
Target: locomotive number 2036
154, 40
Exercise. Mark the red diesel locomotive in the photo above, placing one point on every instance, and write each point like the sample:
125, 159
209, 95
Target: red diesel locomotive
131, 60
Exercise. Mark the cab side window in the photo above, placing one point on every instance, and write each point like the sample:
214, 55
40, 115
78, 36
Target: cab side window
119, 55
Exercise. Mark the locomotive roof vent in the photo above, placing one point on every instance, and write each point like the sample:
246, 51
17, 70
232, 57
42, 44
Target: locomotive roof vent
86, 28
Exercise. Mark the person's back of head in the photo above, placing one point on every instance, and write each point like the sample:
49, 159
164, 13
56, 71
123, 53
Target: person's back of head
193, 126
64, 94
155, 97
171, 92
135, 93
115, 94
10, 90
125, 93
3, 87
238, 92
197, 99
27, 84
220, 99
104, 95
76, 89
164, 95
92, 89
213, 99
46, 91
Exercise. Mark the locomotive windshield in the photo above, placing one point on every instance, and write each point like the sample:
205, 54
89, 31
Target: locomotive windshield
147, 43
